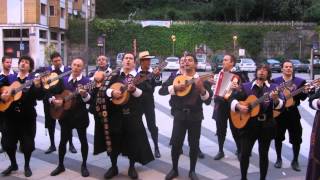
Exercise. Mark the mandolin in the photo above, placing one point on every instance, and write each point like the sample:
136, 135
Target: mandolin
124, 87
188, 81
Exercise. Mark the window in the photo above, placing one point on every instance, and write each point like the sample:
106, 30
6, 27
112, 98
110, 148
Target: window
10, 33
51, 10
54, 36
62, 13
43, 34
43, 9
62, 37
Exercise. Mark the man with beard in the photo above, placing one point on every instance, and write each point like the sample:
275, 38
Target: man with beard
260, 127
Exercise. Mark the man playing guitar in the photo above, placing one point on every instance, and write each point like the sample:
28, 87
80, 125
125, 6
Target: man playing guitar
20, 122
74, 118
289, 118
261, 127
128, 135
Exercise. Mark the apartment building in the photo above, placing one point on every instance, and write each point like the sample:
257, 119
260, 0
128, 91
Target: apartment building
35, 27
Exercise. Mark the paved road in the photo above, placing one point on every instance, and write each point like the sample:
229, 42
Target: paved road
227, 168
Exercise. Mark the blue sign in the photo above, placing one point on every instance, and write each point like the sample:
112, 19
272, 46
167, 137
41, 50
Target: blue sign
21, 47
315, 45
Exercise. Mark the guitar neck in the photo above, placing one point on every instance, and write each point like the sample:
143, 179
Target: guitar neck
259, 100
297, 91
61, 75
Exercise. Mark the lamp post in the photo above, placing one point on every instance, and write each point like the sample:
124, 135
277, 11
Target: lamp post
21, 46
235, 37
173, 38
300, 45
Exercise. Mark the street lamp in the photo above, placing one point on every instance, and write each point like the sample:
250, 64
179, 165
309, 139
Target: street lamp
173, 38
300, 45
235, 37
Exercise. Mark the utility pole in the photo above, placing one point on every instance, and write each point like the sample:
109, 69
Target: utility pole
86, 38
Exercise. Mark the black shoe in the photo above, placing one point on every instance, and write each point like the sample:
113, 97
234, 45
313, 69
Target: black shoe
8, 171
113, 171
72, 149
51, 149
278, 163
157, 153
219, 155
172, 174
200, 154
57, 171
27, 171
193, 175
84, 171
295, 165
132, 172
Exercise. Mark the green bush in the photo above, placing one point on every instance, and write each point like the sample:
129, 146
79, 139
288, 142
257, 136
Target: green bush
119, 36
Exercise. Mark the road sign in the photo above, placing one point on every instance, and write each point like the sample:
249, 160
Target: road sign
242, 52
21, 47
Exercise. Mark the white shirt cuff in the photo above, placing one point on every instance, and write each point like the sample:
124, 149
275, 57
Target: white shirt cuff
315, 104
137, 92
279, 106
51, 99
205, 97
171, 90
109, 92
233, 105
87, 98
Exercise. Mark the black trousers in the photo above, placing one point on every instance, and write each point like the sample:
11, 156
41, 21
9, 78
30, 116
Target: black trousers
264, 135
50, 124
293, 125
180, 128
149, 113
66, 132
221, 115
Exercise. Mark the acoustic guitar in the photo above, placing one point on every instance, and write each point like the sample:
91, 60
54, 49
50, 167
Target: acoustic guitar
188, 81
289, 95
15, 90
68, 99
123, 88
52, 79
239, 119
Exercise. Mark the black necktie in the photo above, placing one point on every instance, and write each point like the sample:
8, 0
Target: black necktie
57, 70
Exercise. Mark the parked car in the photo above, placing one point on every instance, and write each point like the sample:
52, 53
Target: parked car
217, 63
299, 66
154, 62
119, 59
246, 64
202, 61
173, 63
274, 65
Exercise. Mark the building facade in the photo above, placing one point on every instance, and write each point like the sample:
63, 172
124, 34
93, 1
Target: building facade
37, 27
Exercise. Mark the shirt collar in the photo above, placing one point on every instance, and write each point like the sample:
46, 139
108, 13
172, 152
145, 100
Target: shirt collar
132, 72
78, 78
61, 68
10, 72
18, 75
287, 80
149, 70
231, 70
266, 83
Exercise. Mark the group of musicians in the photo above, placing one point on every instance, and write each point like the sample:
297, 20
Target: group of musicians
119, 98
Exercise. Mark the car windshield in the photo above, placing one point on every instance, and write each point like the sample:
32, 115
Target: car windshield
172, 59
295, 61
272, 61
154, 61
202, 60
247, 61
